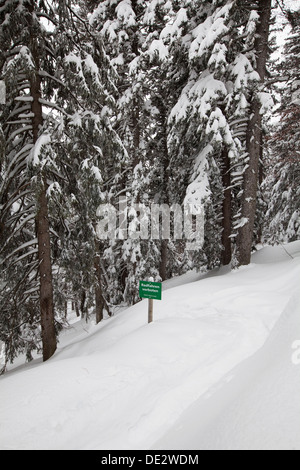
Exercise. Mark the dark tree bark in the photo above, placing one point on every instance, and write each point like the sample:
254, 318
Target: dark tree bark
100, 302
45, 274
42, 219
164, 189
83, 308
164, 260
227, 209
136, 133
253, 141
77, 309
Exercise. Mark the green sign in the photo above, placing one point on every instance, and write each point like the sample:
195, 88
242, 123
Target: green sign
151, 290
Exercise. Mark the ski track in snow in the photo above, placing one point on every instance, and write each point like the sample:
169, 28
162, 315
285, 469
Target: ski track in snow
127, 385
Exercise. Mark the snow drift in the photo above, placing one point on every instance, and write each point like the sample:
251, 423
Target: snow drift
214, 370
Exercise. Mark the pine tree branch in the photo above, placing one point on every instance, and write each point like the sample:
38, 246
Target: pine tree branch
47, 17
20, 248
48, 104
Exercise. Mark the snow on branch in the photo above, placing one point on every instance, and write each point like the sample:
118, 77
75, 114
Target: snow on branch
20, 248
19, 131
198, 191
26, 255
267, 102
35, 157
150, 16
241, 223
157, 47
48, 104
174, 29
126, 14
199, 97
209, 32
24, 57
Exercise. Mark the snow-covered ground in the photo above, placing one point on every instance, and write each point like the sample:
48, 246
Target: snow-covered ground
214, 370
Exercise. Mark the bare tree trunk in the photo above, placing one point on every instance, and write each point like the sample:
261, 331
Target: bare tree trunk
136, 157
42, 224
83, 308
227, 202
45, 274
165, 196
261, 180
100, 303
253, 141
77, 309
164, 260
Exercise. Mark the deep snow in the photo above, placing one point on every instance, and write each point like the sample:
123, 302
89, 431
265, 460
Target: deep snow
255, 407
214, 370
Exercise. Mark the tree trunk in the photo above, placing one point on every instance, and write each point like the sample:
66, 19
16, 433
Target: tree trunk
253, 141
165, 196
164, 260
136, 157
77, 309
83, 309
42, 223
261, 180
227, 223
100, 303
45, 274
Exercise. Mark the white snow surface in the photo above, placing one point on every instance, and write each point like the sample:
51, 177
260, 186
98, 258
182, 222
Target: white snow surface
35, 157
214, 370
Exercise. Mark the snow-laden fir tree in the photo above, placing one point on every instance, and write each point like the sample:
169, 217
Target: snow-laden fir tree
131, 31
117, 25
200, 139
57, 134
25, 240
224, 47
98, 160
283, 180
258, 101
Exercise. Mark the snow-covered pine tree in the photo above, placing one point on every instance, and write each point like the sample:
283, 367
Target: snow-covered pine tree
58, 133
117, 25
202, 139
283, 177
150, 182
97, 159
25, 250
162, 94
225, 46
131, 32
259, 52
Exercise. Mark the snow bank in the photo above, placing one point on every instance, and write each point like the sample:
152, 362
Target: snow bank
125, 384
255, 407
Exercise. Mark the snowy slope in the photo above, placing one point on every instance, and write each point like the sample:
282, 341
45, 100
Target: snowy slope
128, 385
255, 407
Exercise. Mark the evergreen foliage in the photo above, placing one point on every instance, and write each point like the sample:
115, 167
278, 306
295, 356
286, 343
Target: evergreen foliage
283, 176
118, 105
